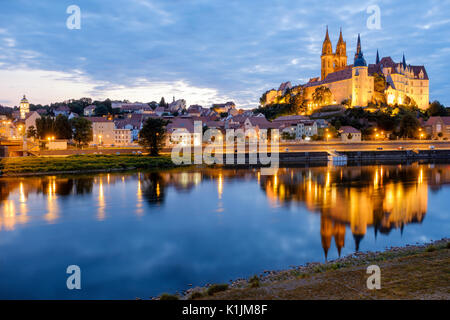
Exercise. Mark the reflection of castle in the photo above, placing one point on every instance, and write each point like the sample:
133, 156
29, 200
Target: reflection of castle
384, 197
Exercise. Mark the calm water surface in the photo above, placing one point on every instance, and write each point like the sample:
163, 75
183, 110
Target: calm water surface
141, 234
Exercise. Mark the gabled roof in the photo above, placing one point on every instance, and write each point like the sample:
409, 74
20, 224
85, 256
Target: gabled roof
349, 129
434, 120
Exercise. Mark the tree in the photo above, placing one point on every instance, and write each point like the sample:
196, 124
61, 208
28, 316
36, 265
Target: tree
152, 135
379, 82
163, 103
31, 132
82, 130
298, 103
63, 128
101, 110
436, 109
409, 126
45, 127
322, 96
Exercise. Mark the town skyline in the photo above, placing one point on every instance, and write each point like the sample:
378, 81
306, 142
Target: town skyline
84, 63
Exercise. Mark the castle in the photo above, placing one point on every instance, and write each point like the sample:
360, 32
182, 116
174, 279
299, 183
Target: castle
356, 83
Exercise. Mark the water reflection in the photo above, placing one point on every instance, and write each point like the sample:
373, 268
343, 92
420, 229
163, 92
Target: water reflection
383, 197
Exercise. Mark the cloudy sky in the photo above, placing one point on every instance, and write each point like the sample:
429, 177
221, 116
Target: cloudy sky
203, 50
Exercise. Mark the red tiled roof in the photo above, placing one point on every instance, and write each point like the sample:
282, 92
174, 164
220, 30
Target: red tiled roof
434, 120
98, 119
349, 129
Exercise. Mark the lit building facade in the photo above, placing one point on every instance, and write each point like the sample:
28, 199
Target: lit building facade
24, 107
355, 83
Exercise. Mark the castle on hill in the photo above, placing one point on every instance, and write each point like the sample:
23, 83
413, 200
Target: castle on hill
355, 83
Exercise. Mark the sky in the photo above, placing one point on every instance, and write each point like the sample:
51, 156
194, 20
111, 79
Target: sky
204, 51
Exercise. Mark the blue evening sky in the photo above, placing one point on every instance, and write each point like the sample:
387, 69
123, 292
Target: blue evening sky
203, 51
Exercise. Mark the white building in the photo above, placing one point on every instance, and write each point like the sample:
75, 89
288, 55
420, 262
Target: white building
306, 128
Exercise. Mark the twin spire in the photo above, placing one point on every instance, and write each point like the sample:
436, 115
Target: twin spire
340, 47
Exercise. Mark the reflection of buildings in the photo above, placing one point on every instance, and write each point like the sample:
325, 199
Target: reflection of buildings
383, 197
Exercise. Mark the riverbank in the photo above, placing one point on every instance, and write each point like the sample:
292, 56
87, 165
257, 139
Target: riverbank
411, 272
80, 164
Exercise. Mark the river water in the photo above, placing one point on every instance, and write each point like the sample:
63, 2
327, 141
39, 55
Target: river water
144, 233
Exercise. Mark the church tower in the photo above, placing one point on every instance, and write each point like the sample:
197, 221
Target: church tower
24, 107
341, 53
362, 83
327, 57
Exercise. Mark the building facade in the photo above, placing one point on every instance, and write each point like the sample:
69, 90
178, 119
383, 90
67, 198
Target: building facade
354, 83
24, 107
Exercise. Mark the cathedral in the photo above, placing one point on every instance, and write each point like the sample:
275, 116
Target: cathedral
355, 83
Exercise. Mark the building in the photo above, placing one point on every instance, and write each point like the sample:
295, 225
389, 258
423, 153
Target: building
89, 111
31, 120
63, 110
102, 130
406, 84
306, 129
350, 134
24, 107
177, 105
438, 127
123, 137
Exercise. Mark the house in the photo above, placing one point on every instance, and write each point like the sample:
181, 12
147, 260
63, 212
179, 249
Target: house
73, 115
177, 106
103, 131
438, 127
63, 110
89, 111
305, 129
195, 110
223, 107
123, 137
136, 108
350, 134
30, 119
133, 122
159, 111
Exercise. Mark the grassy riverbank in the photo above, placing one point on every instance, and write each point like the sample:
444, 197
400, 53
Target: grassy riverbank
411, 272
81, 163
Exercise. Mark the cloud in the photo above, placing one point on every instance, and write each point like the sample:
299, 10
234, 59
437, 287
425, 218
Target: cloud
232, 49
40, 88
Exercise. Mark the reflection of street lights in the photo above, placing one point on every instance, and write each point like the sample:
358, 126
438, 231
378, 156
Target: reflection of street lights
328, 137
100, 139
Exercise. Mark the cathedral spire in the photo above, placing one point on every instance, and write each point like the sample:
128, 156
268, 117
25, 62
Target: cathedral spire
326, 47
378, 58
327, 37
358, 46
404, 61
359, 58
341, 39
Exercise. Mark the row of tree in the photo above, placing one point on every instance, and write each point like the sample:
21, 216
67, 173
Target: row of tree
77, 129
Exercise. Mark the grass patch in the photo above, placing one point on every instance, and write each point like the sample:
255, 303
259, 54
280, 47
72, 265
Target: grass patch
13, 166
217, 288
167, 296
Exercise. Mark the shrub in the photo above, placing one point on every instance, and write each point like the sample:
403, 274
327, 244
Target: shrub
167, 296
217, 288
431, 248
254, 282
196, 295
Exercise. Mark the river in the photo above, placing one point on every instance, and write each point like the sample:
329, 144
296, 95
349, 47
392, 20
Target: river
141, 234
